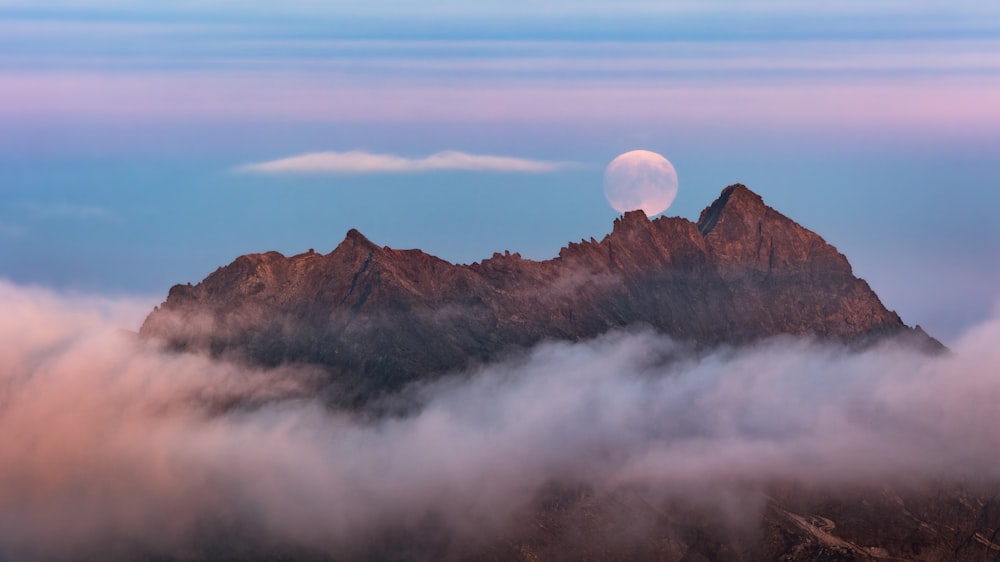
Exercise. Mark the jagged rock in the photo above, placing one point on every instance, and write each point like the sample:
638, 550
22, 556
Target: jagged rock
378, 318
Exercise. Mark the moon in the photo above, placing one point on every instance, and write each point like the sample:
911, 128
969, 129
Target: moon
640, 179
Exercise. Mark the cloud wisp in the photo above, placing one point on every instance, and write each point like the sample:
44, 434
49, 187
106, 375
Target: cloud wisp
66, 210
361, 162
108, 443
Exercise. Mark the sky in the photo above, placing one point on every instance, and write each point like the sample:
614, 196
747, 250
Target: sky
146, 144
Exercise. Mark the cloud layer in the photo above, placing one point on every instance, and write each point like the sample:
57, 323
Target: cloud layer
108, 443
360, 162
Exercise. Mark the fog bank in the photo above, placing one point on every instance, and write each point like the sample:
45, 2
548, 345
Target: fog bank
108, 443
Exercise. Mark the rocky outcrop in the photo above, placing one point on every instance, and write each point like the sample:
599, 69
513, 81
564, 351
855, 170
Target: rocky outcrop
377, 318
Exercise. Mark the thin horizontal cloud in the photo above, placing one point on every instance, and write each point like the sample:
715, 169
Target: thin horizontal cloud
64, 210
361, 162
901, 103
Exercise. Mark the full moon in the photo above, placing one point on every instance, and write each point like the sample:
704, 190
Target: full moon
640, 179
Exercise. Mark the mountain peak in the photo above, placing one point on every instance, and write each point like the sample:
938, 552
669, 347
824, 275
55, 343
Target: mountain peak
637, 215
354, 240
378, 319
355, 236
736, 198
631, 220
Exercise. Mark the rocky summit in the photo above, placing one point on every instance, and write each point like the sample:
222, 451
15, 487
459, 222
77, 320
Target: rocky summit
377, 318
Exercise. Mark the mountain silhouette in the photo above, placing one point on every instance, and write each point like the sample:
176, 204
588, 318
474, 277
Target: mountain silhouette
377, 318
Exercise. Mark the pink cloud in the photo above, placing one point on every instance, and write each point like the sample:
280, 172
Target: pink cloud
108, 441
360, 162
850, 104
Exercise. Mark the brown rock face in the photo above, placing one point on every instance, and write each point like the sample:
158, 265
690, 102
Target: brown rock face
377, 318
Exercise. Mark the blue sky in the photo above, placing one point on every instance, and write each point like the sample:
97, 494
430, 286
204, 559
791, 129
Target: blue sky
125, 127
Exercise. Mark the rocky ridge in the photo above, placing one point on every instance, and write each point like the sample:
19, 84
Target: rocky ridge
377, 318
